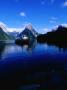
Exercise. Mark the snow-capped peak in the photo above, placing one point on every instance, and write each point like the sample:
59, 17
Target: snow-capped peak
29, 26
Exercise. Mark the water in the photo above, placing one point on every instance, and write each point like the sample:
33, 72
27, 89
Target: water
33, 67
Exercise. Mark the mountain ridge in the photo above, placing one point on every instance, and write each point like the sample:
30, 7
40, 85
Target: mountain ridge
57, 37
3, 33
29, 31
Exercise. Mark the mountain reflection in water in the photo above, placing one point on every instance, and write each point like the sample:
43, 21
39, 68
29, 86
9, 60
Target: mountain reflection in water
33, 67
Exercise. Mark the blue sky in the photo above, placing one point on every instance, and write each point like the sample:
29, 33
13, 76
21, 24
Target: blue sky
43, 14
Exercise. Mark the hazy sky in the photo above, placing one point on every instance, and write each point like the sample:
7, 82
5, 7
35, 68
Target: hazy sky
43, 14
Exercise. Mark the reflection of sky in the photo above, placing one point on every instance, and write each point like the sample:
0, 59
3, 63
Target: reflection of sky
38, 50
12, 50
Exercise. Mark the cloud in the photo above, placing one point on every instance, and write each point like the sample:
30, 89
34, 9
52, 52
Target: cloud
2, 24
64, 4
15, 29
44, 30
49, 1
52, 19
64, 24
23, 14
56, 26
20, 29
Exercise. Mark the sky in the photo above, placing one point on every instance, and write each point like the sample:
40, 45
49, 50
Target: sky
42, 14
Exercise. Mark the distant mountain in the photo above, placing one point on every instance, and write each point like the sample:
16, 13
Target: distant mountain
29, 31
30, 27
3, 33
27, 36
13, 34
57, 37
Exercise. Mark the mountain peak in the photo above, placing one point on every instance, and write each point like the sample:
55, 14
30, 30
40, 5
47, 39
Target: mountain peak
29, 26
3, 27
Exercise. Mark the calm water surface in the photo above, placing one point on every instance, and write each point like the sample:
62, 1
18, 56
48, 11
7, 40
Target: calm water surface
33, 67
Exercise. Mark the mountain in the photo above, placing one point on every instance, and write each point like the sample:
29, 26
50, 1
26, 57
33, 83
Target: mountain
57, 37
27, 36
30, 27
3, 33
3, 26
13, 34
29, 31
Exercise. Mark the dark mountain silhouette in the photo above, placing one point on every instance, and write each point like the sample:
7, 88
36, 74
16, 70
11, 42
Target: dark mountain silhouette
57, 37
